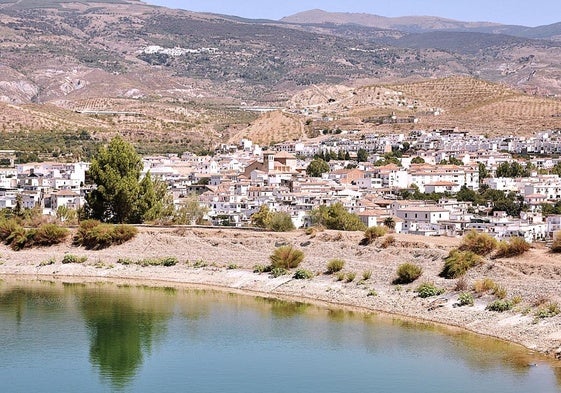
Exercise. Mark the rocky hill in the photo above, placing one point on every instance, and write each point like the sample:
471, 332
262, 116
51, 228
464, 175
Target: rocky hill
172, 79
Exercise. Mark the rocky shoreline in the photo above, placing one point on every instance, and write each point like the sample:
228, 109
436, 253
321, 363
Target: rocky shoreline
225, 259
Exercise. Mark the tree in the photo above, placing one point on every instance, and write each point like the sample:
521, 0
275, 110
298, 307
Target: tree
118, 195
190, 212
418, 160
274, 221
483, 172
260, 218
390, 223
317, 167
362, 155
157, 203
337, 217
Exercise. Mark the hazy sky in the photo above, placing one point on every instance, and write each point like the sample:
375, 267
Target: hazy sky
522, 12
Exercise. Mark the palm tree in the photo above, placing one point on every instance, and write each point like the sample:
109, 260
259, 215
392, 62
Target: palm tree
390, 223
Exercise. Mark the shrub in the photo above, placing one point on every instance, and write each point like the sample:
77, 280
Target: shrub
69, 258
335, 265
556, 245
340, 276
428, 289
260, 269
373, 233
465, 299
278, 271
123, 233
7, 227
125, 261
165, 261
478, 243
407, 273
500, 305
232, 266
95, 236
514, 247
461, 284
457, 263
49, 234
169, 261
482, 286
303, 274
372, 293
366, 275
280, 222
83, 229
547, 311
50, 261
387, 241
20, 238
499, 291
286, 257
350, 277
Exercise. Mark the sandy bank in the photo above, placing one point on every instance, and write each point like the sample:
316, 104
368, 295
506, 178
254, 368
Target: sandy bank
533, 276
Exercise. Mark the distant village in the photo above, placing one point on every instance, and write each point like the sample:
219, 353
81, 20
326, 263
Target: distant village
238, 179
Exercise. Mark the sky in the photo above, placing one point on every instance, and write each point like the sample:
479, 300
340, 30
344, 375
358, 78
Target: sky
520, 12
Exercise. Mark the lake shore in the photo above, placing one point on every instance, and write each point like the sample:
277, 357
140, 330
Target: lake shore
224, 259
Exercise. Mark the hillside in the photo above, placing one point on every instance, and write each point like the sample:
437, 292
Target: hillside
467, 103
172, 80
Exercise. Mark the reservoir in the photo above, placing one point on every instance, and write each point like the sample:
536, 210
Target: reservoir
110, 337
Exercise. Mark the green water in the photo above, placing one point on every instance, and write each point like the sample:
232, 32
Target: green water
57, 337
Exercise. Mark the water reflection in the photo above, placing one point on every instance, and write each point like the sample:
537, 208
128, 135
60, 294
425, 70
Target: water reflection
123, 326
127, 327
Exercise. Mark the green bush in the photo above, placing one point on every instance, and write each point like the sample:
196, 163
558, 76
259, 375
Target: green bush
366, 275
335, 265
286, 257
372, 293
340, 276
465, 299
20, 238
123, 233
428, 289
50, 234
83, 229
457, 263
232, 266
407, 273
280, 222
514, 247
69, 258
478, 243
94, 235
7, 227
500, 305
165, 261
278, 271
547, 311
50, 261
261, 269
373, 233
125, 261
303, 274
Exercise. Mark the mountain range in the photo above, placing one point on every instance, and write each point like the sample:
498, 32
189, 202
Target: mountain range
152, 72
